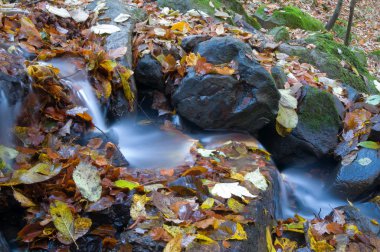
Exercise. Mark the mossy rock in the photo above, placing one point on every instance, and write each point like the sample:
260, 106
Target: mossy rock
334, 54
328, 56
375, 55
231, 6
289, 16
280, 33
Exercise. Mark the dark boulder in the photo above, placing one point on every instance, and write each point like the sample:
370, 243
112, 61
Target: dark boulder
190, 42
4, 247
119, 105
316, 134
148, 73
279, 76
215, 101
359, 177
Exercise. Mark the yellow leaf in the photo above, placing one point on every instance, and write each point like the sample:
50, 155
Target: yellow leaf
88, 181
208, 203
24, 201
224, 70
63, 219
281, 130
240, 234
286, 244
174, 245
269, 240
126, 184
138, 206
192, 59
204, 238
237, 176
235, 205
125, 74
182, 26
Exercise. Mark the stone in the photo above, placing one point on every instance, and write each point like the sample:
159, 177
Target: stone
279, 76
148, 73
279, 33
119, 106
316, 134
216, 101
289, 16
328, 57
4, 247
190, 42
359, 177
234, 7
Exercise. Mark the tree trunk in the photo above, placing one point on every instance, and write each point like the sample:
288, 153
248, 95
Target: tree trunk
334, 17
349, 25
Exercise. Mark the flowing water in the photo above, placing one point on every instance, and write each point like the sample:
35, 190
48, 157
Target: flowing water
8, 115
149, 147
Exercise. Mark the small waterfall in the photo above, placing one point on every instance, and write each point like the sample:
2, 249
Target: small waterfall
303, 194
78, 80
8, 115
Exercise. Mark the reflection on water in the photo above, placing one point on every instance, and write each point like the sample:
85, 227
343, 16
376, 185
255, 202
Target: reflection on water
306, 195
148, 147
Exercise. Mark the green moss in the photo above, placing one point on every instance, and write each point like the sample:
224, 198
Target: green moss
318, 110
291, 17
375, 55
279, 33
335, 53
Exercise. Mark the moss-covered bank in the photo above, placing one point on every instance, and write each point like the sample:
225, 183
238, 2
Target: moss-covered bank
289, 16
231, 6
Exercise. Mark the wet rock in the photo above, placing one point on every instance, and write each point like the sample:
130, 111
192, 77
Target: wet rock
328, 57
279, 33
119, 106
141, 243
279, 76
4, 247
218, 101
88, 244
361, 176
148, 73
316, 134
190, 42
361, 217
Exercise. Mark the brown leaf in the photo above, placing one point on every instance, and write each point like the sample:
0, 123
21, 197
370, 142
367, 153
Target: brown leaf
30, 32
174, 245
30, 232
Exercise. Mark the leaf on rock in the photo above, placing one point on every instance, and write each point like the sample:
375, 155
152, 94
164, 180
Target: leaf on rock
208, 203
79, 15
29, 30
226, 190
125, 74
122, 17
370, 145
105, 29
182, 26
63, 219
373, 100
257, 179
239, 234
88, 181
138, 206
24, 201
287, 117
174, 245
126, 184
287, 100
235, 205
60, 12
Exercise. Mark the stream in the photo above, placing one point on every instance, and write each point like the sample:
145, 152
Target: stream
149, 147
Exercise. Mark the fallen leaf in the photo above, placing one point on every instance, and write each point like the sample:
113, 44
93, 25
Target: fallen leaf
79, 15
126, 184
287, 100
122, 17
287, 117
226, 190
60, 12
369, 145
105, 29
174, 245
24, 201
257, 179
87, 180
63, 219
138, 206
208, 203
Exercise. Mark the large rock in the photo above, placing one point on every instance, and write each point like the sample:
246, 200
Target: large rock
148, 73
328, 57
359, 177
316, 134
216, 101
234, 7
289, 16
119, 106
